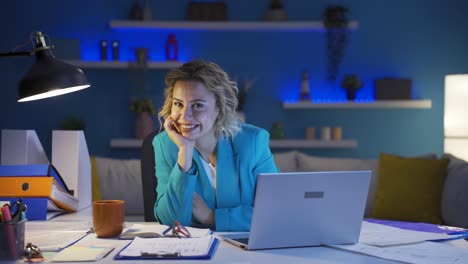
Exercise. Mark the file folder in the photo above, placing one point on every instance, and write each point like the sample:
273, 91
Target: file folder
46, 187
33, 170
40, 185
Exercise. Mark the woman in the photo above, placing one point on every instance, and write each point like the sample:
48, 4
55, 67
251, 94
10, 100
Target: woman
207, 162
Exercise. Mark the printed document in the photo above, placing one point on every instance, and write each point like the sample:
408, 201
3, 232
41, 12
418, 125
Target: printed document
423, 253
383, 235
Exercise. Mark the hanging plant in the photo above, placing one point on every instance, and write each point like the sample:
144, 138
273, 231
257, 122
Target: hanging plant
336, 23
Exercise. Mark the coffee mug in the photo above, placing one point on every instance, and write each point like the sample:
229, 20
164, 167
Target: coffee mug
108, 217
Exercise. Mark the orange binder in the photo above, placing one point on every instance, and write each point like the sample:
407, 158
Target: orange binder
21, 186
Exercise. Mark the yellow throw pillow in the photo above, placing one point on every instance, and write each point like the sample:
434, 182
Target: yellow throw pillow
410, 189
96, 190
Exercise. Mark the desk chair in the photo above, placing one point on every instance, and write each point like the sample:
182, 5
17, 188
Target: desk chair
149, 181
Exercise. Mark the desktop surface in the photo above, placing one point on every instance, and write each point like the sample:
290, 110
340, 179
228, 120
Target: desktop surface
228, 253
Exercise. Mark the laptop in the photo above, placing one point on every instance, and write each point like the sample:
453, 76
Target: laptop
301, 209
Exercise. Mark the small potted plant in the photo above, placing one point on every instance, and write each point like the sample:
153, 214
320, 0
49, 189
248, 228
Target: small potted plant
144, 123
351, 83
142, 105
72, 122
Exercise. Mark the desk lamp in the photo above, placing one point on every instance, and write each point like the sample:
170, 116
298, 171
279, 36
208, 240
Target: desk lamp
48, 76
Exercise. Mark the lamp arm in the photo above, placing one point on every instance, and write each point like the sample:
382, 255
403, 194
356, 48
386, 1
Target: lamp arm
16, 54
40, 44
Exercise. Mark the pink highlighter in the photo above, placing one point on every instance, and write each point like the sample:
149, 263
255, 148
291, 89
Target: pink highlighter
10, 230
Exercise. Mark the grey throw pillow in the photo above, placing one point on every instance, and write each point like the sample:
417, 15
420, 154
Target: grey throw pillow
286, 161
454, 206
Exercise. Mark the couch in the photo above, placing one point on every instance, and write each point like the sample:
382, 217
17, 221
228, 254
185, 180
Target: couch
121, 179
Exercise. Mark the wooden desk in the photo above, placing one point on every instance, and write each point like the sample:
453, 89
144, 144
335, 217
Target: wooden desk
227, 253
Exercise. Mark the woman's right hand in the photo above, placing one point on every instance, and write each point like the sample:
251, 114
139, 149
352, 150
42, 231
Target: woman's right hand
173, 130
185, 145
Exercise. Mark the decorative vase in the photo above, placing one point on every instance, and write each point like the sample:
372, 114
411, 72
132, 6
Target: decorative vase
144, 125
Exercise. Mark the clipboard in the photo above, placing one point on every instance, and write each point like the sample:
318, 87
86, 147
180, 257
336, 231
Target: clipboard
213, 248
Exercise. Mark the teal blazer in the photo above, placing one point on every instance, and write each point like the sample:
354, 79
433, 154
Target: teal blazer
239, 161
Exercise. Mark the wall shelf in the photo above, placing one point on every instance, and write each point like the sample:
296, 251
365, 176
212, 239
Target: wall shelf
223, 26
306, 143
383, 104
126, 143
122, 64
286, 143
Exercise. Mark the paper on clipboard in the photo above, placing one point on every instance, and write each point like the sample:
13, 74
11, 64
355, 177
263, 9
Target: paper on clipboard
160, 229
186, 247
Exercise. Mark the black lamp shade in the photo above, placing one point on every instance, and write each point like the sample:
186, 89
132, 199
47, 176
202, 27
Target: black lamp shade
50, 77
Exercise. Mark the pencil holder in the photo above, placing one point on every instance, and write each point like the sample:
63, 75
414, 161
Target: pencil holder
12, 237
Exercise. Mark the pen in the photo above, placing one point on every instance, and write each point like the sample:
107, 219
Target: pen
160, 255
167, 230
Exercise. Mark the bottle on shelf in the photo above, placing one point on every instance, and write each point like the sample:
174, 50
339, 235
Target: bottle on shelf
103, 49
115, 50
171, 48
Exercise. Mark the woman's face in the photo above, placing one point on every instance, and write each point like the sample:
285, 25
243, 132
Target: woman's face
194, 109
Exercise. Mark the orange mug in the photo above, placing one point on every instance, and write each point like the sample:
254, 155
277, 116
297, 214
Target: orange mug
108, 218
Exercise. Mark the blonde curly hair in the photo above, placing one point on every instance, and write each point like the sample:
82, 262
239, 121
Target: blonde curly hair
217, 81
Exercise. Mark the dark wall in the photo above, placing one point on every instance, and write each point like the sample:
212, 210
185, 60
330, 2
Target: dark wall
422, 39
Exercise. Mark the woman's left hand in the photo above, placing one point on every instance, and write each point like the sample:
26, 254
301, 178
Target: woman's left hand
201, 212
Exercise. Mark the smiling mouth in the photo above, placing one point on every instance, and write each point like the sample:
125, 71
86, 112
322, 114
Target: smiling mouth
188, 128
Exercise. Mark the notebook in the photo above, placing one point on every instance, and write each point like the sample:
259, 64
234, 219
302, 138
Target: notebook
306, 209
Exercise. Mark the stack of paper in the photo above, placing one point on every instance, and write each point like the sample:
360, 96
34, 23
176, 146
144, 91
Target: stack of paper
55, 235
382, 235
405, 245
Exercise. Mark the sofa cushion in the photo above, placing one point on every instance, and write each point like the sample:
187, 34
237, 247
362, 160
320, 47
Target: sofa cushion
455, 193
409, 189
286, 161
314, 163
120, 179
